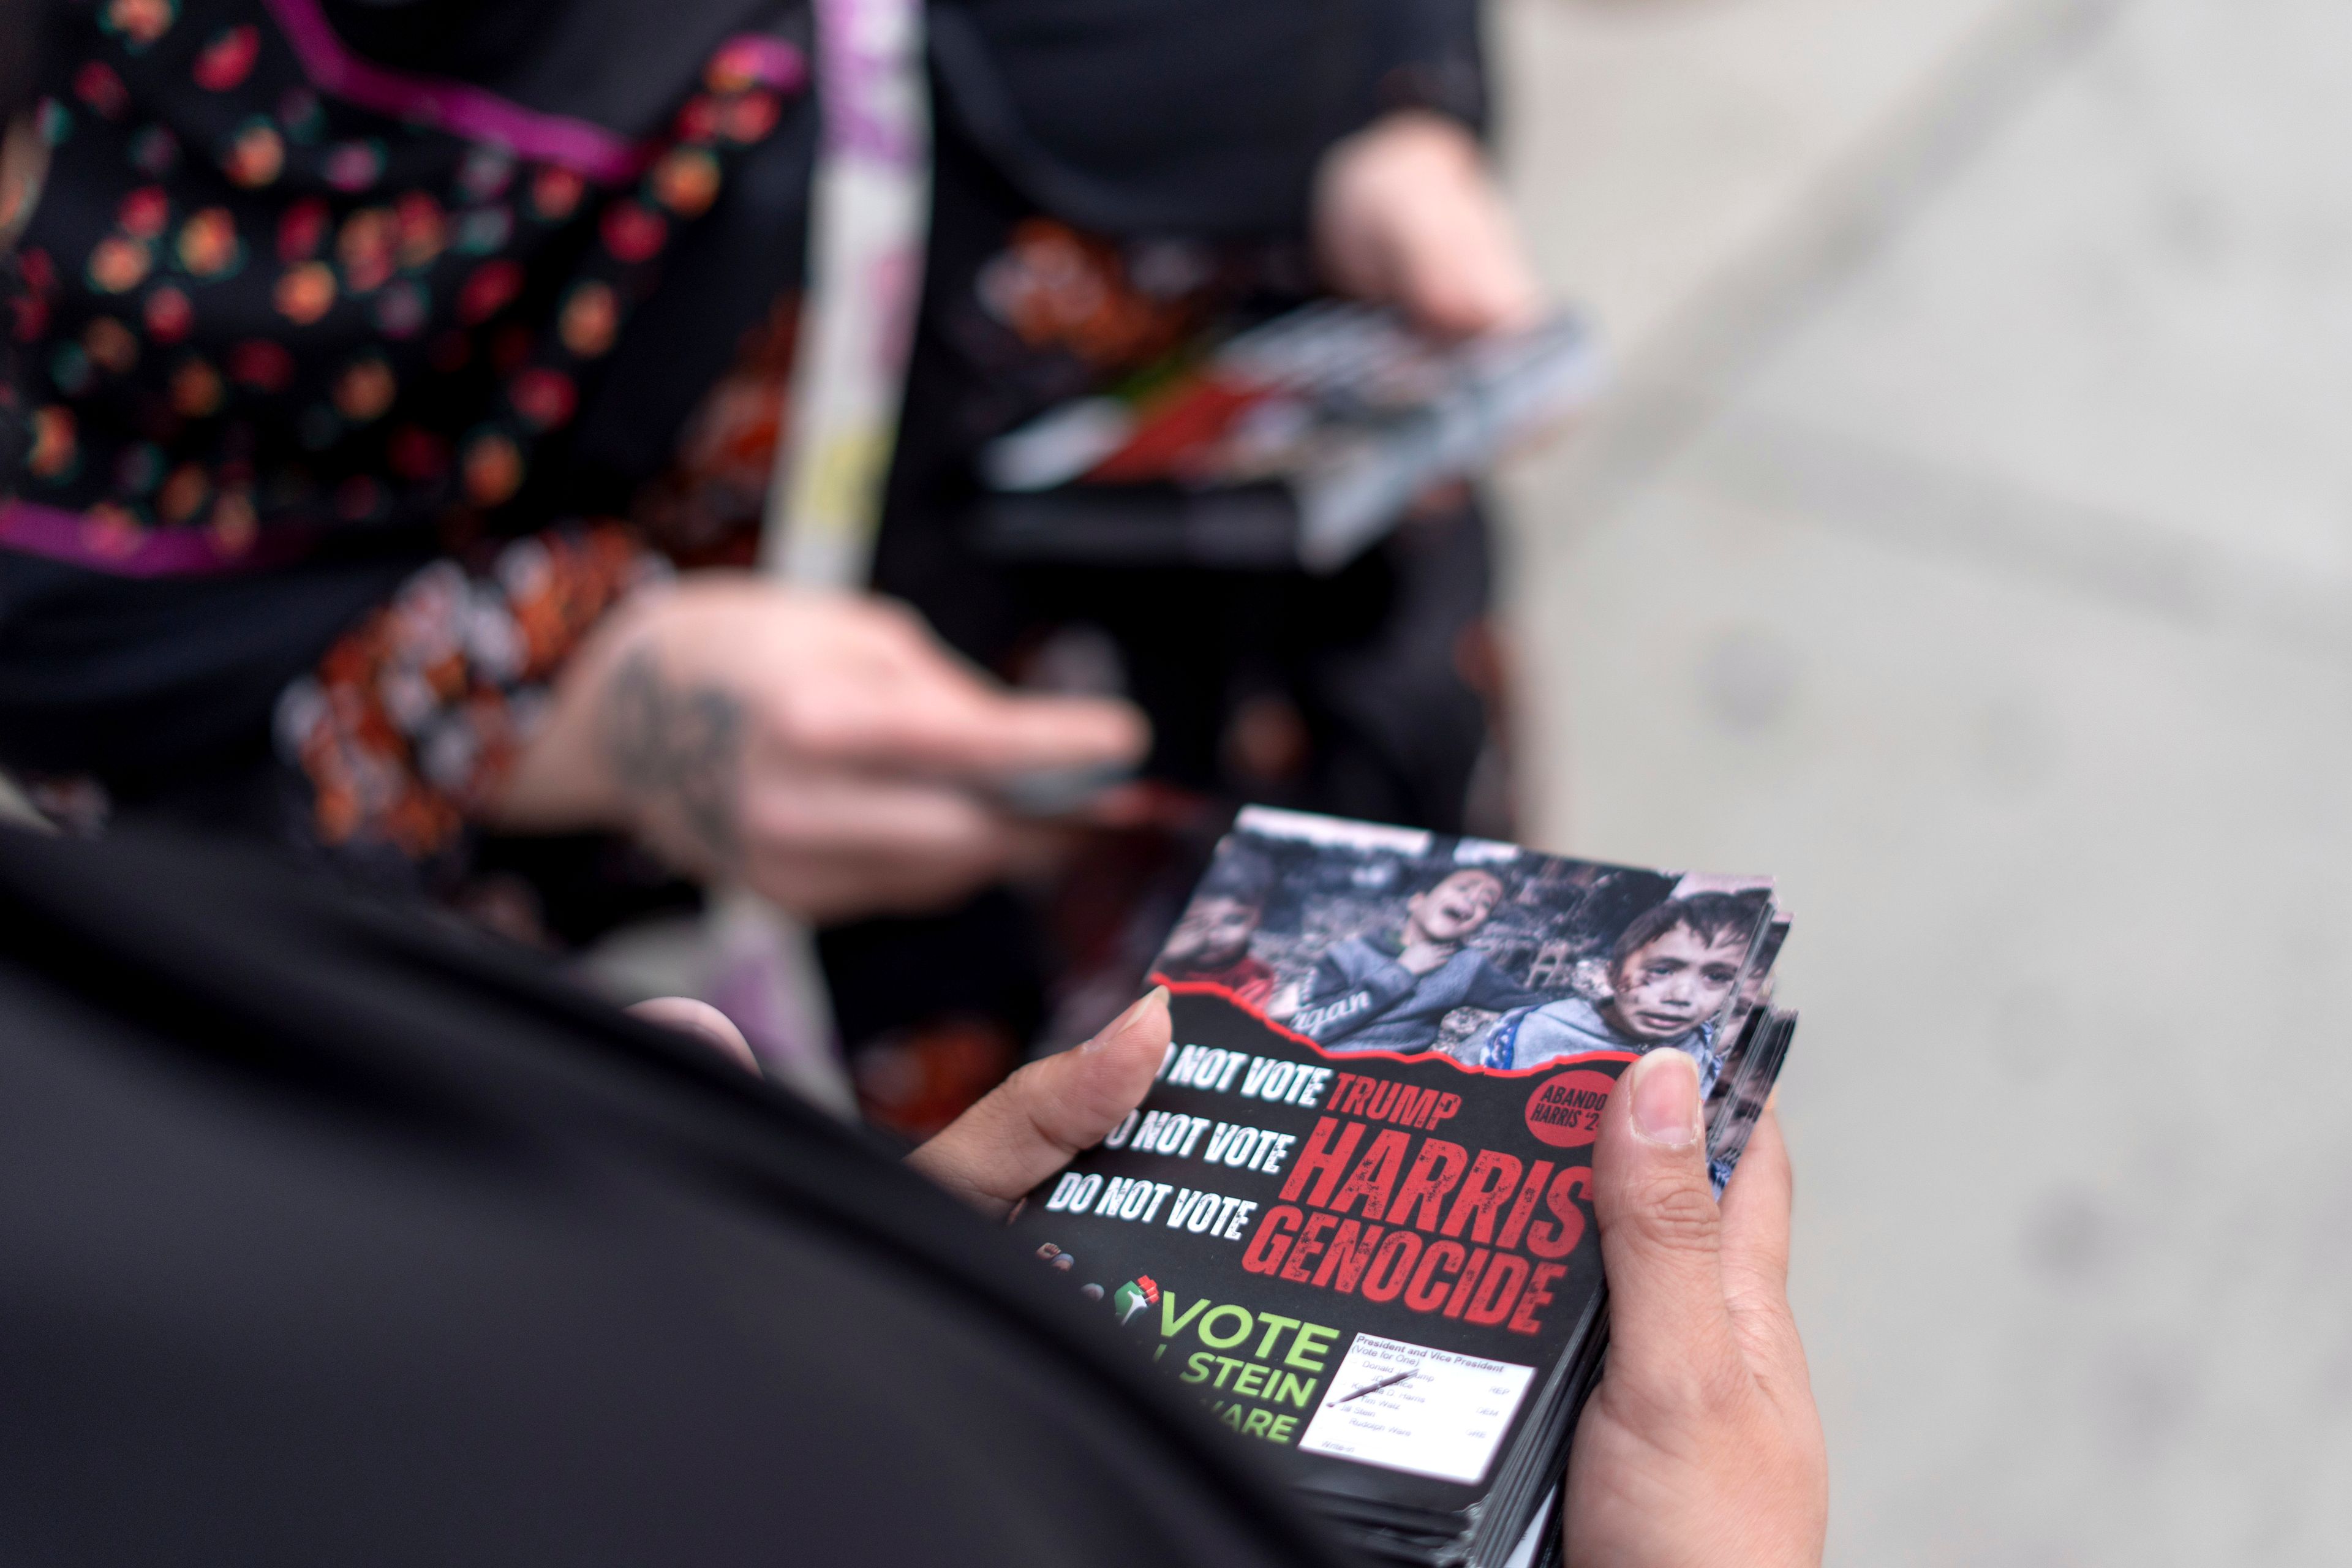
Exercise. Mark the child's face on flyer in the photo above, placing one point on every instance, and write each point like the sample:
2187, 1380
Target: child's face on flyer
1673, 983
1215, 933
1456, 907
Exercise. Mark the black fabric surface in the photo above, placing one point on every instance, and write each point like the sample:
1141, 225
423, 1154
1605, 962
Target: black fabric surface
147, 682
327, 1236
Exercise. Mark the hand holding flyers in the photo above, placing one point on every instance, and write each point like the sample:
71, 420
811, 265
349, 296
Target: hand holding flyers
1701, 1444
1365, 1184
1030, 1125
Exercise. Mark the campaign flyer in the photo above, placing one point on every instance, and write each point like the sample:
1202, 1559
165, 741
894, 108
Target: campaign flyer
1354, 1215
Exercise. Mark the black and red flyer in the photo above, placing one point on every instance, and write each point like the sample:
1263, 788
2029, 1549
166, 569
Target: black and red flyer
1298, 440
1354, 1215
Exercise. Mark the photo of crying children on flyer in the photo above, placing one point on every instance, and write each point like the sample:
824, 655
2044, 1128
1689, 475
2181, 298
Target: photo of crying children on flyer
1368, 939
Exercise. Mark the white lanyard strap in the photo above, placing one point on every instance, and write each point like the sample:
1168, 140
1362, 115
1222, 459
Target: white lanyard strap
869, 212
869, 208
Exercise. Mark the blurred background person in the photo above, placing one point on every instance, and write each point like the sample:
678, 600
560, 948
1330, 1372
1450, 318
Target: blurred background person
391, 385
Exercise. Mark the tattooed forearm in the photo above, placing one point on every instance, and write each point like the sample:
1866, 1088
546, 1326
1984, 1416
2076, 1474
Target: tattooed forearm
678, 751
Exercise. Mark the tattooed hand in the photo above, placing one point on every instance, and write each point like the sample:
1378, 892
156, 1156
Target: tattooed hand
678, 752
824, 748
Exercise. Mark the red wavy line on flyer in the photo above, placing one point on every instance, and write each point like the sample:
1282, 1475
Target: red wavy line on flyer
1211, 988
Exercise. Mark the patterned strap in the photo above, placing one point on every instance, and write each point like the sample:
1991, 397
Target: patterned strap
870, 211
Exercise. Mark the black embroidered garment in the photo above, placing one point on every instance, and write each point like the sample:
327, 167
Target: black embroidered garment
360, 356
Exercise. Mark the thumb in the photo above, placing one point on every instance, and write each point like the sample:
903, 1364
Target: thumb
1661, 1234
699, 1021
1029, 1126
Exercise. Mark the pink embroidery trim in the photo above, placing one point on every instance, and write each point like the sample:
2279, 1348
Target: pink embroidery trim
771, 62
586, 149
77, 540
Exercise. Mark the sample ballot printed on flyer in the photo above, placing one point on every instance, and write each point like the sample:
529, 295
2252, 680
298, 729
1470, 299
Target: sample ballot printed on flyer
1410, 1407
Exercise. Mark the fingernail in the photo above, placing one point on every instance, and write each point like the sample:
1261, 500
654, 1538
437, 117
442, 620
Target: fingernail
1135, 1010
1665, 1098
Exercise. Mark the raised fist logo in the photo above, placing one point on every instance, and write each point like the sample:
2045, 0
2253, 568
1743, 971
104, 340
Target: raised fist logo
1138, 1294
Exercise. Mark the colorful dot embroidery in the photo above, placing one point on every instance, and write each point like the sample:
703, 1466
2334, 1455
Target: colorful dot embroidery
290, 327
227, 59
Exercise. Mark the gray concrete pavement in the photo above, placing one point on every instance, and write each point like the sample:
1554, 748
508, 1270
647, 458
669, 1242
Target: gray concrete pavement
1971, 545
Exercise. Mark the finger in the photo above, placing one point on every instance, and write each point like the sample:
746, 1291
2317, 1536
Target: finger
699, 1021
1032, 1122
962, 730
1756, 1211
1457, 297
825, 890
825, 887
833, 847
914, 706
852, 816
822, 886
1661, 1232
1467, 277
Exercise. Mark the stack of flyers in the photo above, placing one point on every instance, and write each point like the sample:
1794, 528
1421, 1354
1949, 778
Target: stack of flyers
1299, 441
1354, 1215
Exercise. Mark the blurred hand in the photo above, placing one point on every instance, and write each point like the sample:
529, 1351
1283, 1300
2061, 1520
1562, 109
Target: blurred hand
1032, 1122
824, 749
1701, 1445
24, 163
1407, 213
